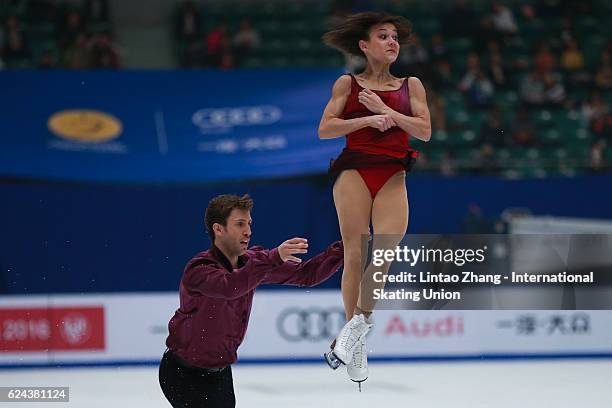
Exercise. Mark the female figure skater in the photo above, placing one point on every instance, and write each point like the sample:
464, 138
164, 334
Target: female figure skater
378, 113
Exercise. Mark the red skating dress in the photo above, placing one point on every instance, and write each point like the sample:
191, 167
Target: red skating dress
374, 154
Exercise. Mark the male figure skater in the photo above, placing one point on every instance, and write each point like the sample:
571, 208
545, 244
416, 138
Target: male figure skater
216, 293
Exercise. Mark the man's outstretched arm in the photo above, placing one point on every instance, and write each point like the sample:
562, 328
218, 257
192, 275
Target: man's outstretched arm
308, 273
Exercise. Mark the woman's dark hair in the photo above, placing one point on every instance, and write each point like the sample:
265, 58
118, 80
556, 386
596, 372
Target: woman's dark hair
346, 35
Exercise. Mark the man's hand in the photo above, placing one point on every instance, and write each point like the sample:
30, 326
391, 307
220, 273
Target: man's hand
292, 246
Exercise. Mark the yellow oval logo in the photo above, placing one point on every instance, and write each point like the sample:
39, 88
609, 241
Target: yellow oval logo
89, 126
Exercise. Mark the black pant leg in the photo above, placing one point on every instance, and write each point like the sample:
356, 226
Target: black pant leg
187, 387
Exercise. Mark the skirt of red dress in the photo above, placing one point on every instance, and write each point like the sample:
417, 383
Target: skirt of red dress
352, 159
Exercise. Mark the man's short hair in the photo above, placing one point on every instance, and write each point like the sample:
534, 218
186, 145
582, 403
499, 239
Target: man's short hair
220, 207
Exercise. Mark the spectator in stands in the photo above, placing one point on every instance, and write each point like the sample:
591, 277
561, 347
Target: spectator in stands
486, 161
486, 34
47, 60
548, 8
15, 49
572, 58
554, 91
96, 11
448, 164
503, 19
522, 130
497, 70
459, 20
544, 60
103, 52
437, 110
442, 76
69, 31
227, 60
603, 76
596, 115
532, 89
492, 130
438, 48
477, 88
594, 108
596, 158
77, 56
572, 61
43, 10
188, 22
566, 34
412, 61
246, 41
192, 56
474, 221
216, 43
2, 37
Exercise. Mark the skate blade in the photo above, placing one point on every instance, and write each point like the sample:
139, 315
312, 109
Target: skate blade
359, 382
332, 361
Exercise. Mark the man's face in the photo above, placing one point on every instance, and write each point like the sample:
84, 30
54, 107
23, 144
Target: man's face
234, 237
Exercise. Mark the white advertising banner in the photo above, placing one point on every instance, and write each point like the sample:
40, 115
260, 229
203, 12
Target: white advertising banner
284, 326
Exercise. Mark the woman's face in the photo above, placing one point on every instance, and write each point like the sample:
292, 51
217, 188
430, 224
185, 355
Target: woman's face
383, 43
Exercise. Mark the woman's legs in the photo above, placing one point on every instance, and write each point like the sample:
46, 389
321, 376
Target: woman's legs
389, 221
353, 205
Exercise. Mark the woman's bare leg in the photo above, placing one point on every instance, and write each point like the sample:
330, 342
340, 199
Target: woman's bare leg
389, 221
353, 205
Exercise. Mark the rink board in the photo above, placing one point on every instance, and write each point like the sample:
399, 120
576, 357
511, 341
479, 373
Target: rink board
285, 326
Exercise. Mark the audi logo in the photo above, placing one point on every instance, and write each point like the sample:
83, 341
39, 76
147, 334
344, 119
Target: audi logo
311, 324
238, 116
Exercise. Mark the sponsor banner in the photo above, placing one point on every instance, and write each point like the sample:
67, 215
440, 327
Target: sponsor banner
52, 329
164, 126
284, 325
302, 326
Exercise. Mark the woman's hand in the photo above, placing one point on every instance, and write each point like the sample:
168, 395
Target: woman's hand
371, 101
381, 122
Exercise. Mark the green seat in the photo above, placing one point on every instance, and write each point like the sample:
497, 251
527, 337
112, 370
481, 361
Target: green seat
467, 156
435, 156
503, 156
506, 100
459, 45
607, 156
544, 119
439, 137
461, 138
550, 136
254, 62
579, 138
525, 155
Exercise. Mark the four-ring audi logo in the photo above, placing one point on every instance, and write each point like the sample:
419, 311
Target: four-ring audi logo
236, 116
311, 324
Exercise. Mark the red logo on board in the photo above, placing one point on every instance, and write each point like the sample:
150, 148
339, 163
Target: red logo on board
52, 329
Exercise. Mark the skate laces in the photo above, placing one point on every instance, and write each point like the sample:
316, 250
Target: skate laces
355, 330
358, 359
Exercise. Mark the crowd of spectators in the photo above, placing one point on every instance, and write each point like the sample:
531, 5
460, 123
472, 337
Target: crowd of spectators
550, 76
73, 34
215, 47
491, 64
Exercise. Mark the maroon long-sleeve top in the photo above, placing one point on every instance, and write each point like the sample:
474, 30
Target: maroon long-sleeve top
216, 299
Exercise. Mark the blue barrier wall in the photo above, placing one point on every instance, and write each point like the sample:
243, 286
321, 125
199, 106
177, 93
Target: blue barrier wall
149, 126
97, 238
